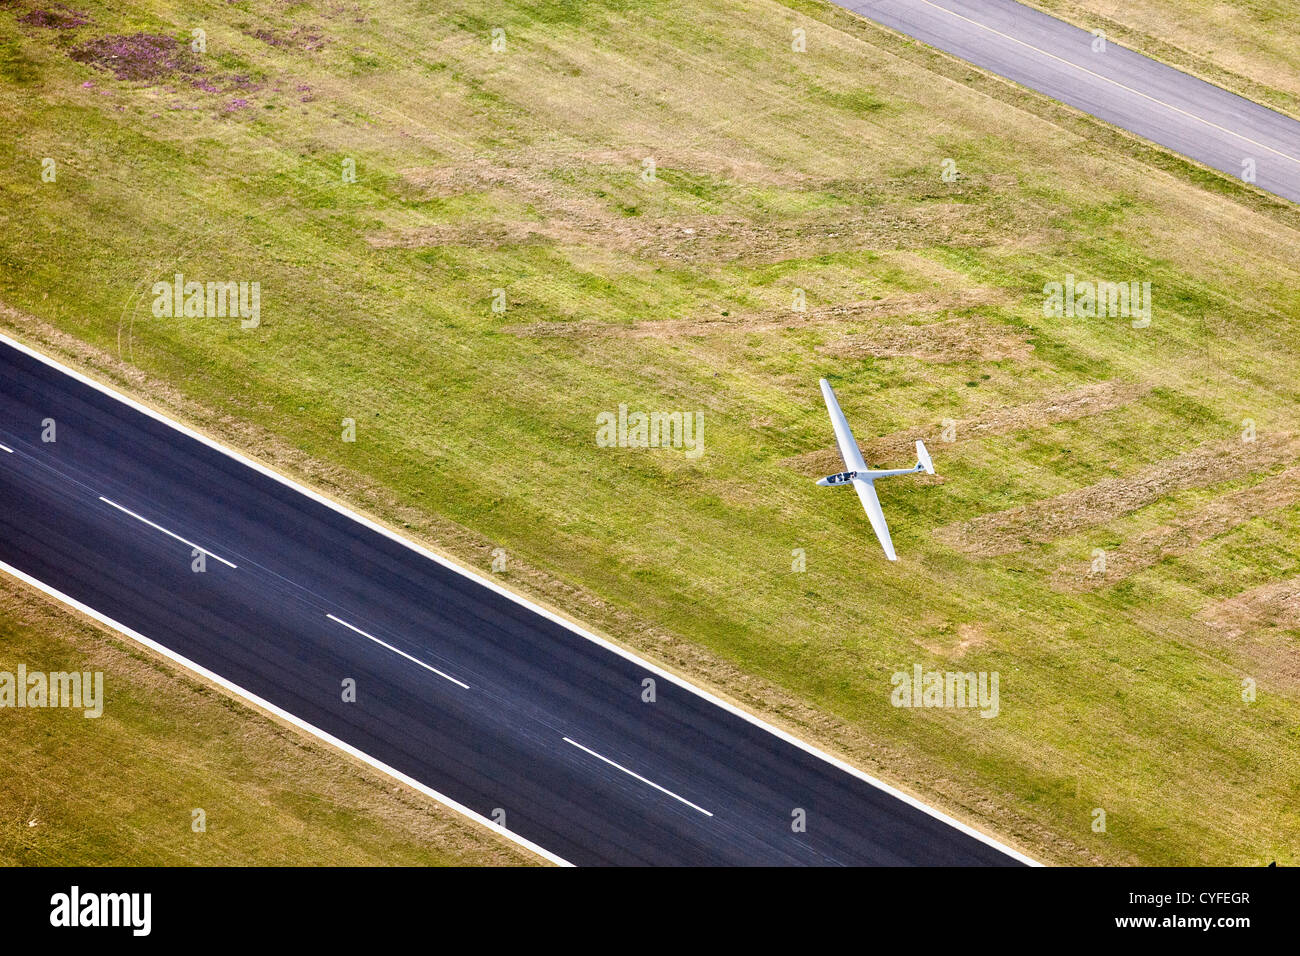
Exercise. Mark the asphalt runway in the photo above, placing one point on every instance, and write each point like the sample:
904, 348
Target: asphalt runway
473, 694
1141, 95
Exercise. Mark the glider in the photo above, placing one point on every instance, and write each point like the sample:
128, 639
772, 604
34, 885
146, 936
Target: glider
860, 476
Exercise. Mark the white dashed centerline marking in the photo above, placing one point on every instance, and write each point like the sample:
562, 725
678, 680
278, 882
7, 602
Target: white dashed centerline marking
6, 448
471, 575
170, 534
637, 776
414, 660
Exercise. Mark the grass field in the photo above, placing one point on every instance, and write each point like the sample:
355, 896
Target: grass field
526, 171
122, 788
1248, 46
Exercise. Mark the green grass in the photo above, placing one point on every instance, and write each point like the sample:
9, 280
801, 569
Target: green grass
819, 171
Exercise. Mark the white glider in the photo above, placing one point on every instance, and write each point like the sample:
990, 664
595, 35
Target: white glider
862, 477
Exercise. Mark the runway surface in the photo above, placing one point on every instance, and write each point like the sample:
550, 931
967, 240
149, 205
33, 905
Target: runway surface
472, 693
1141, 95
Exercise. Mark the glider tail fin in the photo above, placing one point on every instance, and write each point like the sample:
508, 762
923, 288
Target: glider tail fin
923, 457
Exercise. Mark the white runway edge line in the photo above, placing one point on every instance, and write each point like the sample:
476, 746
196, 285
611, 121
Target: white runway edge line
170, 534
416, 660
638, 777
298, 722
1104, 79
518, 599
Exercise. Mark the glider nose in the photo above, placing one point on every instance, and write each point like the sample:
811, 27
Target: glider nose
824, 482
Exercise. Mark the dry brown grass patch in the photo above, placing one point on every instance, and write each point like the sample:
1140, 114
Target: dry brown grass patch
1214, 518
1263, 626
956, 340
713, 239
1274, 606
1005, 532
514, 169
1082, 402
769, 320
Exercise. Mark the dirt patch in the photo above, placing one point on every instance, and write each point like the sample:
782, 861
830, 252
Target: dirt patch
1216, 517
952, 645
956, 340
58, 17
1066, 406
769, 320
140, 56
1005, 532
299, 38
